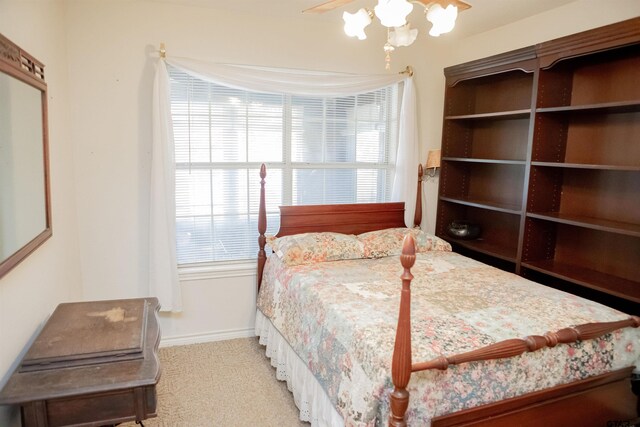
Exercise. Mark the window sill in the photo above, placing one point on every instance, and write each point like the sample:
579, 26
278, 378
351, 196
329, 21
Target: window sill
217, 270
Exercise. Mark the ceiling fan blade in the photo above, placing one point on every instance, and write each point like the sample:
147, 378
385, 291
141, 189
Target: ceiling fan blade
327, 6
444, 3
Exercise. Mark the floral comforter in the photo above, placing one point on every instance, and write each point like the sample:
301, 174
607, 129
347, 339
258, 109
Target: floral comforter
340, 318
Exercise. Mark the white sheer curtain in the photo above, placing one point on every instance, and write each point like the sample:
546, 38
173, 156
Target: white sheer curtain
163, 264
405, 181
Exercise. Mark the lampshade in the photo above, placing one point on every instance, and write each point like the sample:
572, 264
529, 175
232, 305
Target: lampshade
393, 13
355, 23
433, 159
443, 20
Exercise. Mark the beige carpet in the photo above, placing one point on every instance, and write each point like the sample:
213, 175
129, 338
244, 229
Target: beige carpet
225, 383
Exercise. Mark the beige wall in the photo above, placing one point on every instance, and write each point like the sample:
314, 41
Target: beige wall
30, 292
580, 15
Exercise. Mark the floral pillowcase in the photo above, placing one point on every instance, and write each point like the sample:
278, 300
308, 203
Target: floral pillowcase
319, 247
316, 247
388, 242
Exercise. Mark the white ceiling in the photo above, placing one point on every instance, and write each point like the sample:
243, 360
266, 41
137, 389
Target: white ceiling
483, 15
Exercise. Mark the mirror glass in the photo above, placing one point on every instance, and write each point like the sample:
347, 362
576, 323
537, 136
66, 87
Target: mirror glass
22, 175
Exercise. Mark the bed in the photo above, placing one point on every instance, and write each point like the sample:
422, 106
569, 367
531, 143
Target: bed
479, 335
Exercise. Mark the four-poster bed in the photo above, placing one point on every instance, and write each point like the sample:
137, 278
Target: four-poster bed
596, 388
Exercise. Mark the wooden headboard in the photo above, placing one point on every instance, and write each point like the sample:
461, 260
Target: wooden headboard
354, 218
344, 218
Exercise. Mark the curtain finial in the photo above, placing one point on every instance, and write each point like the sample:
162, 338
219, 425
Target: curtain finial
408, 70
163, 51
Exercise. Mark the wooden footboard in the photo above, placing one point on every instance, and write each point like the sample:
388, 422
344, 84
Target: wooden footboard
608, 394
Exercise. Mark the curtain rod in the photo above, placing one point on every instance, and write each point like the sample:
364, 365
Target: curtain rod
163, 55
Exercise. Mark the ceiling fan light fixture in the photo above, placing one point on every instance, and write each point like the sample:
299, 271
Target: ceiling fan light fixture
355, 23
403, 36
443, 20
393, 13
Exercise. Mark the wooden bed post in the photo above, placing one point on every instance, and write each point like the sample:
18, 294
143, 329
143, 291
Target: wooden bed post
417, 217
401, 364
262, 226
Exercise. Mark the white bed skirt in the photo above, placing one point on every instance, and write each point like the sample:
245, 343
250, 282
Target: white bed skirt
310, 398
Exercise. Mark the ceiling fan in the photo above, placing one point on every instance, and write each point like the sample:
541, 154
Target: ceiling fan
393, 14
334, 4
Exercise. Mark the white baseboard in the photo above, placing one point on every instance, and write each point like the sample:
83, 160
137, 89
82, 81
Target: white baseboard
207, 337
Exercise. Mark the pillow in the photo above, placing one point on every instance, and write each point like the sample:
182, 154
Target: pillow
388, 242
308, 248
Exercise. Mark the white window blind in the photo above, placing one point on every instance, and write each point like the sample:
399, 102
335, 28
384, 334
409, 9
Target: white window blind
317, 150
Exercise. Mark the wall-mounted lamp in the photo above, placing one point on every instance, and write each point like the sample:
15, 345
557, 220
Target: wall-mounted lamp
433, 163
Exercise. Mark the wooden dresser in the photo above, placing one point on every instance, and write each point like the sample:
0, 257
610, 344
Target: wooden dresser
93, 363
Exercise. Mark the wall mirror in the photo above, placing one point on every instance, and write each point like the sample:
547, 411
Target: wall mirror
25, 207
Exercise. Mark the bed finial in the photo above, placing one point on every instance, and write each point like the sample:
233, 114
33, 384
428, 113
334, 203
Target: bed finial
417, 218
262, 226
401, 364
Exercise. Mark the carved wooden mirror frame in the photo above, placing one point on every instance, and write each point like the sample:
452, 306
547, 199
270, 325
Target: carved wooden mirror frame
23, 67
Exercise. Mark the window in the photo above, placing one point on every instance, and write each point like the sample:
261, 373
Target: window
317, 150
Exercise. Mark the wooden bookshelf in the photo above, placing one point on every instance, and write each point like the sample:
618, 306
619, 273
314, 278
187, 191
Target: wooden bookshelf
589, 222
630, 168
513, 114
485, 148
593, 279
541, 147
486, 204
488, 248
492, 161
604, 107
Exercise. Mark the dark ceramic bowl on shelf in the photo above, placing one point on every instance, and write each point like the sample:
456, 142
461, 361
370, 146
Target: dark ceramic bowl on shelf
463, 230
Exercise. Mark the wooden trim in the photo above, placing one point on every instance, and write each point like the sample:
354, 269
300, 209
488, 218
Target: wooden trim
521, 59
24, 251
11, 54
610, 36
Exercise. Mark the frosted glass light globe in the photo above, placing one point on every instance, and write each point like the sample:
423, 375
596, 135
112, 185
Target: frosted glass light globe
393, 13
443, 20
355, 23
403, 36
